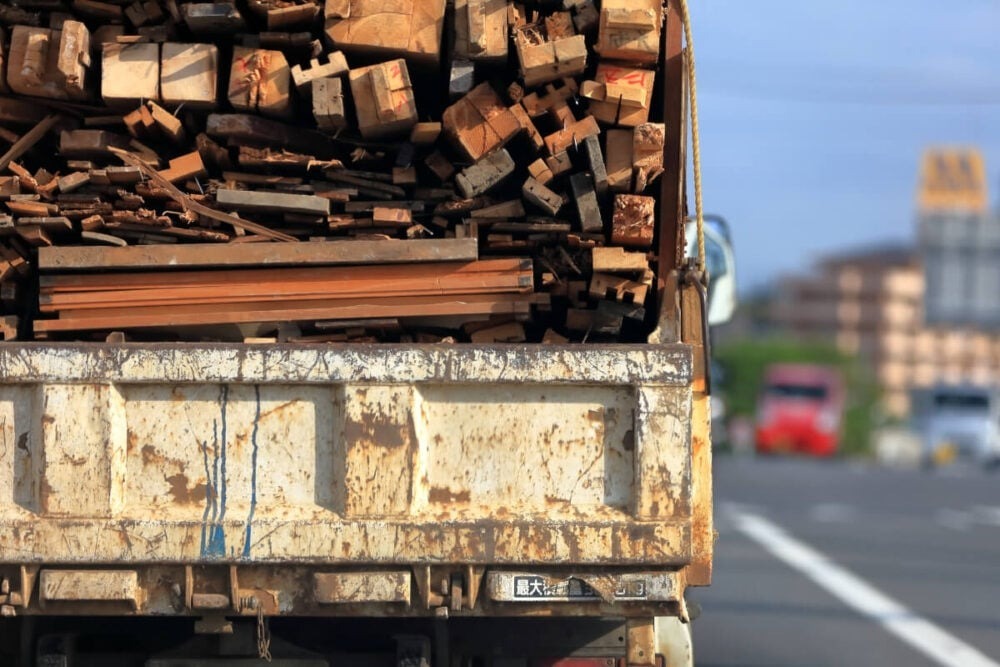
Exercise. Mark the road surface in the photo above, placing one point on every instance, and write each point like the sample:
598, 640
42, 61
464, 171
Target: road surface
837, 563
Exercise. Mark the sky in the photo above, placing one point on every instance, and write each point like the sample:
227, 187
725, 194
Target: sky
814, 117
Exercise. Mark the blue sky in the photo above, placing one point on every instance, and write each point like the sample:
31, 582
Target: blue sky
814, 116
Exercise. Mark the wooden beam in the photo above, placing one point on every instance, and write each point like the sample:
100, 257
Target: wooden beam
328, 104
479, 123
485, 174
304, 76
249, 200
28, 140
260, 80
189, 204
130, 73
383, 99
189, 74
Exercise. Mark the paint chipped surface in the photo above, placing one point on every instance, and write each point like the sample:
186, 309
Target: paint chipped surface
520, 456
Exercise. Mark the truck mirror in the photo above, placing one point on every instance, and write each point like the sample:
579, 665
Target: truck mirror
720, 261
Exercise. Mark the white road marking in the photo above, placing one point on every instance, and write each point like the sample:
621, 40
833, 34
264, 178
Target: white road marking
962, 520
915, 630
987, 515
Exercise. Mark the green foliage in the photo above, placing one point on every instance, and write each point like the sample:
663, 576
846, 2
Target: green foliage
744, 362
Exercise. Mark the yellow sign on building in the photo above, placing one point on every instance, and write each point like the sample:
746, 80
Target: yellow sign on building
953, 179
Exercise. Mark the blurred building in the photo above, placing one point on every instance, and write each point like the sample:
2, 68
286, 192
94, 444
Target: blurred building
918, 317
870, 303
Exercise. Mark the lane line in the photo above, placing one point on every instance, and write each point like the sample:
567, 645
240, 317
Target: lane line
915, 630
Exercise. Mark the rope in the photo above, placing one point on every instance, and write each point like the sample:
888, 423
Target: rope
695, 134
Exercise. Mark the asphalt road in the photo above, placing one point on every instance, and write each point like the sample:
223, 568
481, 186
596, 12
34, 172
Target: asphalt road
836, 563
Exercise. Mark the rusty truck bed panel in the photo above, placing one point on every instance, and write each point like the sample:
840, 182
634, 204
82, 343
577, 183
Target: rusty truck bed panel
518, 455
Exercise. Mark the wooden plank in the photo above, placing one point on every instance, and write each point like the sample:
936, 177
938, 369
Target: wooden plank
248, 200
351, 286
618, 260
587, 207
188, 204
184, 168
189, 74
253, 279
28, 140
166, 122
592, 151
493, 304
513, 208
330, 253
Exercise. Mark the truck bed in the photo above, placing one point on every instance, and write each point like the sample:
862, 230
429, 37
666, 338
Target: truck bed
167, 478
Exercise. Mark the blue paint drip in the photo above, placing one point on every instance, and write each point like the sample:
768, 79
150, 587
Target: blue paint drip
209, 496
253, 477
216, 544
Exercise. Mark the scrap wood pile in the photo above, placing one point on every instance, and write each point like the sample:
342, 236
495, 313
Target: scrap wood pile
477, 170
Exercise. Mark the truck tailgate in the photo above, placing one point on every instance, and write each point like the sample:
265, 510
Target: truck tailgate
301, 456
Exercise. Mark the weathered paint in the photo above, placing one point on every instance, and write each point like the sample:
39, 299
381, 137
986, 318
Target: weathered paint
330, 458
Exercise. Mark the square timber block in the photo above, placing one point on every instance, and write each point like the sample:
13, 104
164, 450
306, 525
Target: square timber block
401, 28
49, 63
130, 73
481, 30
328, 104
260, 80
189, 75
633, 221
543, 61
620, 95
383, 99
630, 30
479, 123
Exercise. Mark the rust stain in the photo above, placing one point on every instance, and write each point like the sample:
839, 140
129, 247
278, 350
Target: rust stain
378, 430
184, 494
150, 456
278, 408
440, 494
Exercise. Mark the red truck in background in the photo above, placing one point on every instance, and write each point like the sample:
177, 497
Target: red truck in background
799, 410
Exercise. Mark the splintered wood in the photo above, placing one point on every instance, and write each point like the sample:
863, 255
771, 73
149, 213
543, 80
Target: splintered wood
341, 169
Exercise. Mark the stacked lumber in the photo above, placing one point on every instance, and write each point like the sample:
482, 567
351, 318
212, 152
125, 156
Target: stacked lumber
330, 171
